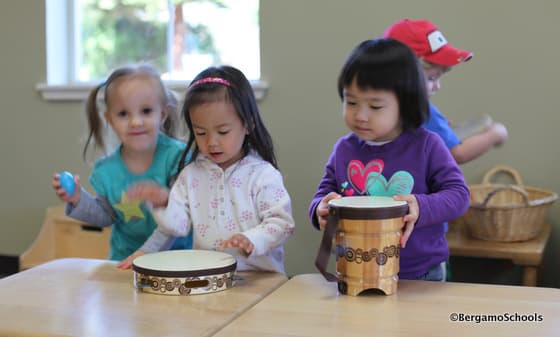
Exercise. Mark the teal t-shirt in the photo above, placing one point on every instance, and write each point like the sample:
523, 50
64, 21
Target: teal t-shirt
111, 178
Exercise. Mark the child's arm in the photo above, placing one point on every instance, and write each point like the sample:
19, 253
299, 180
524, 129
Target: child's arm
156, 197
482, 137
169, 208
83, 206
150, 192
158, 241
448, 196
94, 210
476, 145
318, 210
274, 211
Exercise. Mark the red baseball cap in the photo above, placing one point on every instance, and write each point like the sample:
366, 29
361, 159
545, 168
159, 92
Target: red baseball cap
424, 38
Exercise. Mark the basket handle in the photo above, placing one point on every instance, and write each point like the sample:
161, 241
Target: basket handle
504, 188
501, 168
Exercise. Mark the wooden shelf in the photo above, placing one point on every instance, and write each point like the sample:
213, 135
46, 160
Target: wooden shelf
528, 254
61, 236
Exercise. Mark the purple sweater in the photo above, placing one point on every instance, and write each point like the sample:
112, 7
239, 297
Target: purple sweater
416, 162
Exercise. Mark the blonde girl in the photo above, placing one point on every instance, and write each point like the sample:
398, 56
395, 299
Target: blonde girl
142, 114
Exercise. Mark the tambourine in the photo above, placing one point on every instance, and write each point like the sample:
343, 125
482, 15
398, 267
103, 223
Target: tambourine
184, 272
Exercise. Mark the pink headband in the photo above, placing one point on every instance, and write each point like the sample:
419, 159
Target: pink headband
211, 80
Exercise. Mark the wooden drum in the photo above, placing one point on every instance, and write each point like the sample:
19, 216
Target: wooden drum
184, 272
367, 232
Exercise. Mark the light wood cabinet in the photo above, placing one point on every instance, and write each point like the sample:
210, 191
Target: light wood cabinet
61, 236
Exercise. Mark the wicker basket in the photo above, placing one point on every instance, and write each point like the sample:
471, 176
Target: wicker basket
507, 213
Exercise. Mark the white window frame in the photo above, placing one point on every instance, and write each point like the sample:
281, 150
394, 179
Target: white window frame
60, 43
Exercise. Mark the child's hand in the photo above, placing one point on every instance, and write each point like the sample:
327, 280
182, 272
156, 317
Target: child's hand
61, 192
127, 263
499, 133
238, 241
150, 192
412, 216
322, 211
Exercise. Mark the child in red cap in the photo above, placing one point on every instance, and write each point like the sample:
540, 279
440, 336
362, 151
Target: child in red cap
438, 57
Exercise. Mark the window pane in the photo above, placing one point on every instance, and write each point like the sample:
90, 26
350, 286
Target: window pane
179, 37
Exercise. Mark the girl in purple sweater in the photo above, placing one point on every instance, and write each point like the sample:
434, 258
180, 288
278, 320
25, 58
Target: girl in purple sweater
388, 153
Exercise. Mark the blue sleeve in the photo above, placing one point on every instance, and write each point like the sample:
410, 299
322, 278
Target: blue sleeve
439, 124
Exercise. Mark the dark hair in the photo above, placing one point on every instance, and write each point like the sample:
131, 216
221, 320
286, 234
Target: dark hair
387, 64
226, 83
95, 124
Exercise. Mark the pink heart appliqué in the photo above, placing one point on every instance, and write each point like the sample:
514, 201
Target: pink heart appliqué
357, 172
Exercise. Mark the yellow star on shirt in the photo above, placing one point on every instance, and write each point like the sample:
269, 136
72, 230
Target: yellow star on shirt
129, 208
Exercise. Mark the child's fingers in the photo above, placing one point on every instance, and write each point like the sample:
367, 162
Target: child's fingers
62, 195
249, 247
124, 264
56, 181
223, 245
127, 263
322, 223
406, 234
134, 191
149, 192
322, 212
329, 197
235, 241
245, 245
238, 241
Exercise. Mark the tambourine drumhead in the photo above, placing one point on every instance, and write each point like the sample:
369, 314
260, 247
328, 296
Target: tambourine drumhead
183, 263
366, 202
184, 272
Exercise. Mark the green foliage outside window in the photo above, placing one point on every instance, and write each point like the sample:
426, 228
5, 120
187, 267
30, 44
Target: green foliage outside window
118, 32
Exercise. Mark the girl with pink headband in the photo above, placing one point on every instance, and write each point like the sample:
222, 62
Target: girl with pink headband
230, 194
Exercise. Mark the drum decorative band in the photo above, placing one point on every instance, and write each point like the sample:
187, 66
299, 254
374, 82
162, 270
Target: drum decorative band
360, 255
184, 286
184, 272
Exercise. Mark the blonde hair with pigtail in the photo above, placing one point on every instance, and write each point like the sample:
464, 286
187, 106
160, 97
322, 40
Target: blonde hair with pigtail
96, 124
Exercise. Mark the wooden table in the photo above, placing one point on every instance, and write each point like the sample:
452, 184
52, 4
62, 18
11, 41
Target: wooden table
87, 297
528, 254
307, 305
